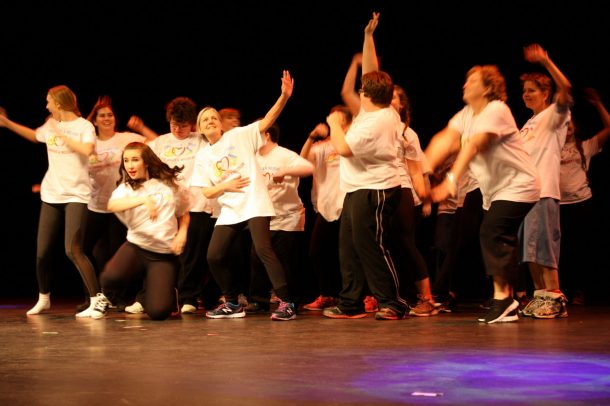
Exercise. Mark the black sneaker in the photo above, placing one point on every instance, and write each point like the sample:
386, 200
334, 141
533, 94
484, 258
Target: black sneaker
501, 311
285, 311
226, 311
336, 313
256, 307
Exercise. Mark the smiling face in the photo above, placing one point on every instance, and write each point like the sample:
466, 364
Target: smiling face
105, 120
533, 97
209, 124
134, 164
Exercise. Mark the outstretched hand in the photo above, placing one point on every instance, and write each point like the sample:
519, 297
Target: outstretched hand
534, 53
135, 123
370, 27
287, 84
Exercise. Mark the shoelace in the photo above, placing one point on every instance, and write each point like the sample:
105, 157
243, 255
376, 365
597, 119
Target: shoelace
101, 305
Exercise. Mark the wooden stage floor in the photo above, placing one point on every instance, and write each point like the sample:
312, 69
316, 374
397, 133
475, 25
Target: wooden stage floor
449, 359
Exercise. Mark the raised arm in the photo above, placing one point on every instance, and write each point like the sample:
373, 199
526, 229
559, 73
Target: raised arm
348, 92
274, 112
320, 131
136, 124
370, 62
337, 134
536, 54
593, 98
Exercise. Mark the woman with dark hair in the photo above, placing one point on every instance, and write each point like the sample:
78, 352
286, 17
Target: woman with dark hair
154, 206
577, 212
65, 189
103, 232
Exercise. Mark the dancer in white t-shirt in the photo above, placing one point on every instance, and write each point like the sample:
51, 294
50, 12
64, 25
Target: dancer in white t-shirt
486, 138
410, 162
577, 208
282, 169
543, 136
65, 189
227, 169
154, 206
371, 180
178, 147
327, 199
103, 232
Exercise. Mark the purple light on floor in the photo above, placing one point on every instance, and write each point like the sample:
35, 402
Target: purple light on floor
488, 376
11, 306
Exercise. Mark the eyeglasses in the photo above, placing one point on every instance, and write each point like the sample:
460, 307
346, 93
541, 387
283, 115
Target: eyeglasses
361, 90
181, 126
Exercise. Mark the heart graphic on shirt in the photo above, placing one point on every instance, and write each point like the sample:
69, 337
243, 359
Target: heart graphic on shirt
177, 151
223, 164
103, 156
157, 197
57, 141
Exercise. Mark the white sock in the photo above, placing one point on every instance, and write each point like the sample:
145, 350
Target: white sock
87, 311
44, 303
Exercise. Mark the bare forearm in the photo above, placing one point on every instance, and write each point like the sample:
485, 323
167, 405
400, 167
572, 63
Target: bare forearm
369, 55
83, 148
306, 148
348, 92
126, 203
441, 146
26, 132
337, 138
273, 113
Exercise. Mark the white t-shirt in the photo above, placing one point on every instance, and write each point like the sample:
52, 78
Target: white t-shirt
326, 195
153, 235
233, 155
504, 170
104, 167
543, 138
67, 178
408, 148
176, 152
573, 180
289, 209
372, 138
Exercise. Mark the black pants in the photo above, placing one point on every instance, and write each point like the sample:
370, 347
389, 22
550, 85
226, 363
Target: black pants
364, 254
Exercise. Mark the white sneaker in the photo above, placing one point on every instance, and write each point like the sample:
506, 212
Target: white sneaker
44, 303
135, 308
186, 309
89, 310
100, 307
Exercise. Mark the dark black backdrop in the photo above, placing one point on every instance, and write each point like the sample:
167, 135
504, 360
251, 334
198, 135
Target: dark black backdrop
231, 53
